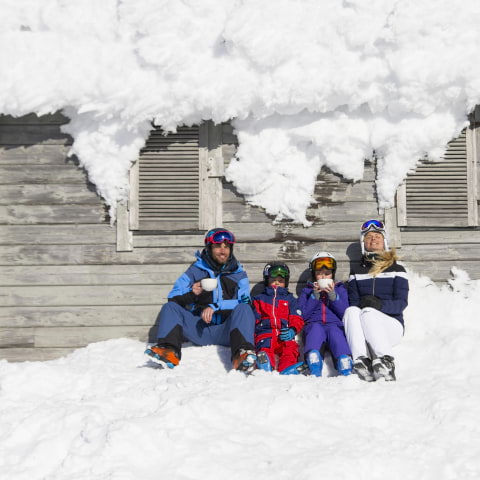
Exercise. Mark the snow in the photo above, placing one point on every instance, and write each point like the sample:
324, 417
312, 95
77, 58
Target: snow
307, 83
104, 413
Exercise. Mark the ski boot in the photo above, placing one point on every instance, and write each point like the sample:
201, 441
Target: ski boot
163, 356
384, 367
363, 368
263, 362
244, 360
315, 362
295, 369
344, 365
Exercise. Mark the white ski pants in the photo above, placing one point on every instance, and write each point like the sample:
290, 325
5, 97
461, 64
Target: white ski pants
371, 326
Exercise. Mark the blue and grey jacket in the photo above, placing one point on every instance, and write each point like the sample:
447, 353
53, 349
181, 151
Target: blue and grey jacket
232, 288
391, 286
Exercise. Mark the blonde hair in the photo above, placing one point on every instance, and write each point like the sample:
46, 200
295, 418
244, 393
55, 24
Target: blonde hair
382, 261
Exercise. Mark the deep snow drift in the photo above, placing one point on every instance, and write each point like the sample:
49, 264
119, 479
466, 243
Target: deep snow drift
306, 82
101, 413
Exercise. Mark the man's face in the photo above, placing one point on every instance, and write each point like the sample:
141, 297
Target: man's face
221, 252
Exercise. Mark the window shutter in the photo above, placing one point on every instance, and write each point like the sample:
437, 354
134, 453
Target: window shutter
168, 181
437, 193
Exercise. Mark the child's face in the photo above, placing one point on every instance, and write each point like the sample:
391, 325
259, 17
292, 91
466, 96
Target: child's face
276, 282
324, 272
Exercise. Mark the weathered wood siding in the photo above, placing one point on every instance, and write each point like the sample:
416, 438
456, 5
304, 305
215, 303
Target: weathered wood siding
63, 284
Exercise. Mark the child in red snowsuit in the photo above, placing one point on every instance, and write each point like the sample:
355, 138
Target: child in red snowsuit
277, 321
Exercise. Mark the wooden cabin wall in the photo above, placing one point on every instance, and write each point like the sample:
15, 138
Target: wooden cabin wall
62, 282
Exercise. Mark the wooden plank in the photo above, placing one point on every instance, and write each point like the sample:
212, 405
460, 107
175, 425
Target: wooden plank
91, 275
78, 234
432, 252
61, 337
16, 337
106, 254
37, 155
52, 214
99, 275
52, 174
324, 194
33, 354
440, 270
71, 316
341, 231
160, 240
124, 235
60, 295
48, 194
56, 118
12, 135
440, 237
349, 211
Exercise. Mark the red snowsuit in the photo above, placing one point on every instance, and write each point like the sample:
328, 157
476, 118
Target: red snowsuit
276, 308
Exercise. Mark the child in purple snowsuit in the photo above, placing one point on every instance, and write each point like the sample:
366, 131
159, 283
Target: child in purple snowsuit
322, 308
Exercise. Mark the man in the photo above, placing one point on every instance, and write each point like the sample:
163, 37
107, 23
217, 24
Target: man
222, 316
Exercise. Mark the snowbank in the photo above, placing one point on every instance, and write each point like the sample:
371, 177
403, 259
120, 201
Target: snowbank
102, 413
306, 82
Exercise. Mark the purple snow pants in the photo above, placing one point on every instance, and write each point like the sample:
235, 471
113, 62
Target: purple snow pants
316, 335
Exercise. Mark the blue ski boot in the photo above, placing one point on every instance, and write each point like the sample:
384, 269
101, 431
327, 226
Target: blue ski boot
263, 362
344, 365
295, 369
315, 362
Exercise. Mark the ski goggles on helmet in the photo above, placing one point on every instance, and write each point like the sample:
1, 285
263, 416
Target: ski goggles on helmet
326, 262
278, 271
219, 236
373, 225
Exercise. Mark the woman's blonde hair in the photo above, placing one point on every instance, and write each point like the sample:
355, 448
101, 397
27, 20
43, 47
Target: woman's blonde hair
382, 261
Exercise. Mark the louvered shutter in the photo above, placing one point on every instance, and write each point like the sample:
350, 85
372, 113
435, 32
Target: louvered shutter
168, 181
437, 193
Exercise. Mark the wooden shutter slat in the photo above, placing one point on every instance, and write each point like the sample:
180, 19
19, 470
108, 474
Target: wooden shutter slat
168, 193
436, 193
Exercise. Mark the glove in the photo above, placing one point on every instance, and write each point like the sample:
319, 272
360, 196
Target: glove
245, 299
287, 333
371, 301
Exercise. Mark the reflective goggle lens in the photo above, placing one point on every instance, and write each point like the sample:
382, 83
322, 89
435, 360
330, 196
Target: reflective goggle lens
278, 272
326, 262
374, 224
220, 237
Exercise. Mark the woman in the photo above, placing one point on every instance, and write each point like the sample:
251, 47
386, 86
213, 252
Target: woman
378, 294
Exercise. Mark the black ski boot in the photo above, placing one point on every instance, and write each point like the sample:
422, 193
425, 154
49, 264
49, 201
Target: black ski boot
384, 367
362, 366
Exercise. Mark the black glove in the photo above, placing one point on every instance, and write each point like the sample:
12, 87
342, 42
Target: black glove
371, 301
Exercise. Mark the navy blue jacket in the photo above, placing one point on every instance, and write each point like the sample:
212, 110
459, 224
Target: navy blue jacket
391, 286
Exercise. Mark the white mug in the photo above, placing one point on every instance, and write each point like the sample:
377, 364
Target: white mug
324, 282
208, 284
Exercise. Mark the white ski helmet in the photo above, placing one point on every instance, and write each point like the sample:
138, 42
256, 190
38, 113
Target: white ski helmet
373, 226
328, 262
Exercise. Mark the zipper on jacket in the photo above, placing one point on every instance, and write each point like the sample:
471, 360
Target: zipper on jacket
323, 298
273, 309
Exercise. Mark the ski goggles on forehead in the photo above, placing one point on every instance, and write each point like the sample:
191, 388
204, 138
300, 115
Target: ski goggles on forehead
326, 262
220, 237
373, 225
278, 272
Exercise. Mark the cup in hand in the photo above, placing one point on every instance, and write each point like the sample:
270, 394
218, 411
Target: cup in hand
208, 284
324, 282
